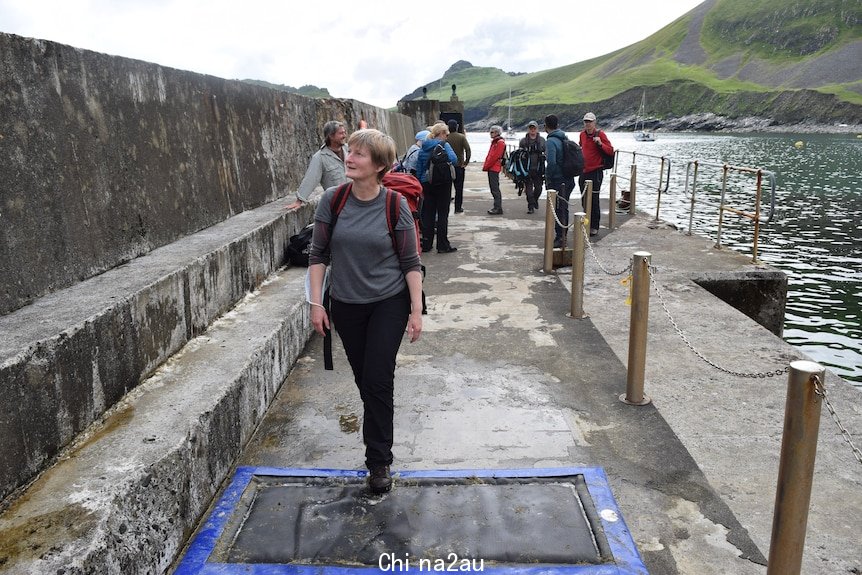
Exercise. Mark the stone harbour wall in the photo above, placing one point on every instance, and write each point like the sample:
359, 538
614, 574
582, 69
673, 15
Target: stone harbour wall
103, 159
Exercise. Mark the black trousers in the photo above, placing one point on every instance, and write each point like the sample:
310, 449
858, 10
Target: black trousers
371, 334
596, 176
533, 189
564, 190
435, 215
459, 188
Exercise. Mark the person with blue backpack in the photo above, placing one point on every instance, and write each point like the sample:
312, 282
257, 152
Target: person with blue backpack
435, 169
554, 177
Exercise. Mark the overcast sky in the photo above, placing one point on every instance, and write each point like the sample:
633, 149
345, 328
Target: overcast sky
372, 51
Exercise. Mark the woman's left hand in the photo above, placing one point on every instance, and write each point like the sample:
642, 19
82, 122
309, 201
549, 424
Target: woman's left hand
414, 325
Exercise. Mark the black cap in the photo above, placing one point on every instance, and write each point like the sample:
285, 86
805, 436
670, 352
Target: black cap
453, 125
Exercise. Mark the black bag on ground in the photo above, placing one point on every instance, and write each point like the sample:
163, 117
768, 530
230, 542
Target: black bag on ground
299, 245
440, 170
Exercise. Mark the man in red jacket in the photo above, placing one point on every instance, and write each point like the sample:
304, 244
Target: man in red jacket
493, 164
594, 144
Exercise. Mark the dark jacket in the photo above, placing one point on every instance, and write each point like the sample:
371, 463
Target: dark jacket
554, 153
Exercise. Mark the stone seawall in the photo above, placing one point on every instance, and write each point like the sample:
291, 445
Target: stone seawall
103, 159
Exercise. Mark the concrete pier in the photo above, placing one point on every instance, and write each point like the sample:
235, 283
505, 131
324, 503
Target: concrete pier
501, 378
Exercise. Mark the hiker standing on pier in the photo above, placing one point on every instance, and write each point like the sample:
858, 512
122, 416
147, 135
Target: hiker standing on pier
434, 170
493, 164
461, 147
595, 145
535, 146
327, 164
555, 180
375, 291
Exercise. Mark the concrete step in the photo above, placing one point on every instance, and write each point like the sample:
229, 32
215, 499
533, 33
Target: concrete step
126, 494
71, 355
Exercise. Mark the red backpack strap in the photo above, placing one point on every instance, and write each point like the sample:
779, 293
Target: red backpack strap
339, 199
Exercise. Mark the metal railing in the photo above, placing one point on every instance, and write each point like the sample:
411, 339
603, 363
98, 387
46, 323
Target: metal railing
660, 187
691, 174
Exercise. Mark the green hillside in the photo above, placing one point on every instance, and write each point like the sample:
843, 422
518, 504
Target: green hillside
786, 61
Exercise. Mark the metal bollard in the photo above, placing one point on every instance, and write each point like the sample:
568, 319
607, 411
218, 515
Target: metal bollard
587, 200
612, 210
634, 394
578, 245
550, 206
796, 469
633, 184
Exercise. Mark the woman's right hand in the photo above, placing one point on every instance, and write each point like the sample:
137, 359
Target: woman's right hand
319, 319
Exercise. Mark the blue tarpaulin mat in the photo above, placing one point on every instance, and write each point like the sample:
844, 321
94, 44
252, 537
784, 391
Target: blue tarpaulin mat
273, 521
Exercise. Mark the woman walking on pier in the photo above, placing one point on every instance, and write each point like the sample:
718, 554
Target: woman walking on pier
376, 287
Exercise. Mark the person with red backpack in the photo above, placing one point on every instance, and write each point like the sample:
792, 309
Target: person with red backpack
375, 289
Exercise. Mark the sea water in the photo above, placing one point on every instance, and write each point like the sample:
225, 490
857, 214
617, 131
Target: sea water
813, 235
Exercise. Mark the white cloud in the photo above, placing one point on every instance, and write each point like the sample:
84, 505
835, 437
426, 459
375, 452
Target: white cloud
375, 54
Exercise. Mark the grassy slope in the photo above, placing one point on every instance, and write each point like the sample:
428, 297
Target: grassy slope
775, 32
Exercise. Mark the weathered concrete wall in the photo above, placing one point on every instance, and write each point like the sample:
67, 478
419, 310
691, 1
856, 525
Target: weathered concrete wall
73, 354
761, 295
103, 158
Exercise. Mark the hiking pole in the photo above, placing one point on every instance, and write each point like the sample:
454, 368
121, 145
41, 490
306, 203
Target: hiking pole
548, 266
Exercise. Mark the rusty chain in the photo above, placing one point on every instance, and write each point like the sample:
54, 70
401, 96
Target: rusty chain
820, 390
761, 375
595, 257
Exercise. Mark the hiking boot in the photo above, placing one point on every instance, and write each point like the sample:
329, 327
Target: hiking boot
496, 211
594, 232
448, 250
379, 481
529, 210
558, 243
459, 211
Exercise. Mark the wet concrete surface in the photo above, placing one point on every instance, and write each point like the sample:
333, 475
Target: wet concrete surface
503, 378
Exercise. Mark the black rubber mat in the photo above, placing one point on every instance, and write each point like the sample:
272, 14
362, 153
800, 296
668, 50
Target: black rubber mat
332, 520
288, 521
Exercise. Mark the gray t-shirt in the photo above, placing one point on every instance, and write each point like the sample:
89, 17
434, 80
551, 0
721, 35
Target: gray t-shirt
365, 267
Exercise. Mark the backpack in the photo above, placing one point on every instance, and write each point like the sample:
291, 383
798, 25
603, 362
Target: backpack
573, 159
299, 245
518, 164
408, 186
399, 165
396, 185
440, 169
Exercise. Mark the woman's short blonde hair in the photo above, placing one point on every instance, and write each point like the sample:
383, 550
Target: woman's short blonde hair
438, 129
380, 145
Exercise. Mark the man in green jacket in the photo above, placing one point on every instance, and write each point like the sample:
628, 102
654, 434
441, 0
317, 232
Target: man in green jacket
461, 147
